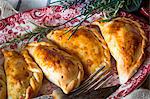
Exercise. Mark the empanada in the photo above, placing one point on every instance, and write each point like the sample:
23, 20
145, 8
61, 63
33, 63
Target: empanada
2, 83
24, 77
126, 41
87, 44
59, 67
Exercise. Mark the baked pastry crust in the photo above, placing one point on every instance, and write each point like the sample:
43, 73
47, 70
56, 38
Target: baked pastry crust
24, 77
2, 83
59, 67
126, 41
87, 44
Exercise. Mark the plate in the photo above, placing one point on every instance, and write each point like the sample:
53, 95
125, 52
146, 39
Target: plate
19, 24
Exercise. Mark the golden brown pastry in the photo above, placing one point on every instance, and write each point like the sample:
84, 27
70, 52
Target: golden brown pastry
2, 83
59, 67
24, 77
126, 41
87, 44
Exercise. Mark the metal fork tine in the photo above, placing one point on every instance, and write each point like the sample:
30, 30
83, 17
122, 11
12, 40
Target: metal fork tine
92, 83
90, 77
98, 82
103, 83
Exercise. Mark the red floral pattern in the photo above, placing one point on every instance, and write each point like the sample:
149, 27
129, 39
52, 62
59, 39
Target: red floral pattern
18, 23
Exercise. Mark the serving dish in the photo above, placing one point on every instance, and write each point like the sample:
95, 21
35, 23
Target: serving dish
19, 24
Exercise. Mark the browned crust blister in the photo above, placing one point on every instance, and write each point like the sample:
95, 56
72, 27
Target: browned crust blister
87, 44
59, 67
2, 83
24, 77
129, 60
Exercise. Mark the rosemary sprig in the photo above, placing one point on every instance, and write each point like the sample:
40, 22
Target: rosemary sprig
132, 5
90, 8
75, 28
109, 8
39, 32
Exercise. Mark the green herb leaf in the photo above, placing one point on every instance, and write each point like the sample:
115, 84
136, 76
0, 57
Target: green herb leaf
132, 5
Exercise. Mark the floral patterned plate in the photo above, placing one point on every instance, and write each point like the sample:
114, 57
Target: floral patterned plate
20, 23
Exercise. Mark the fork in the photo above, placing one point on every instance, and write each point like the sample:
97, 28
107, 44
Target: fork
94, 82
